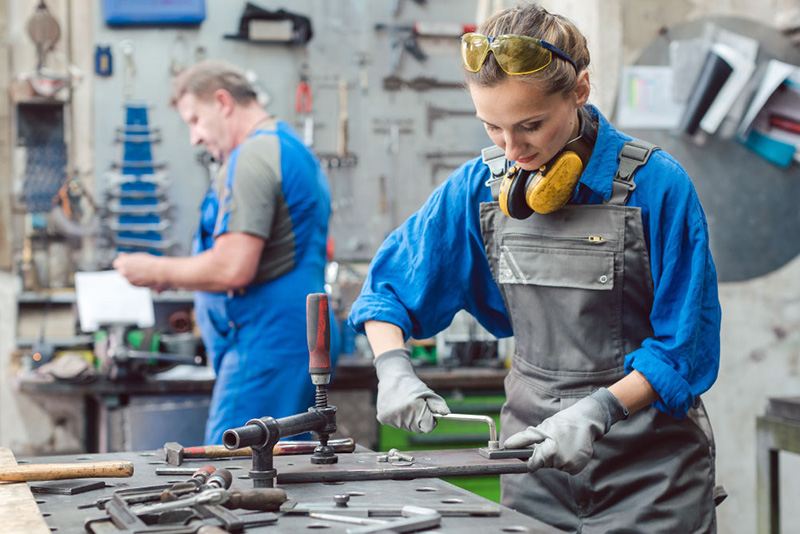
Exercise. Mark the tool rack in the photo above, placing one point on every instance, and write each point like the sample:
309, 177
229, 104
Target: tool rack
63, 515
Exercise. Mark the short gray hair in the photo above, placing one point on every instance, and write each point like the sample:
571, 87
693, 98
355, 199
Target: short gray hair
207, 77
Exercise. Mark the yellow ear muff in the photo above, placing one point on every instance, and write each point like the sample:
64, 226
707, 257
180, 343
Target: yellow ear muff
550, 189
512, 194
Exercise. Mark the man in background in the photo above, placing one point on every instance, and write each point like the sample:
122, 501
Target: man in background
259, 249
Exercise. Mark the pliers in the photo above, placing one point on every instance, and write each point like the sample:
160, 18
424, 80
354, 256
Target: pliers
303, 100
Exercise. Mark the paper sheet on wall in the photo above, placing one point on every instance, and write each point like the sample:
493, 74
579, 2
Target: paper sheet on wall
106, 297
645, 99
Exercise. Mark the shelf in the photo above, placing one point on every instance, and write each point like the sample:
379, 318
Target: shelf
67, 297
61, 341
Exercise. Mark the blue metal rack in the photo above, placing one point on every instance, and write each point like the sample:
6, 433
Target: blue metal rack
137, 203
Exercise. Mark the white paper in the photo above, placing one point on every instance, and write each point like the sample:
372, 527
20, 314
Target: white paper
645, 99
106, 297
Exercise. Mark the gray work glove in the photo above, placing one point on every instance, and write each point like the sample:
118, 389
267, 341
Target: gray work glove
404, 401
565, 440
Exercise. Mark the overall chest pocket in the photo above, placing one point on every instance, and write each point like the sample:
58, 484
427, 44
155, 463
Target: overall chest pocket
564, 298
578, 263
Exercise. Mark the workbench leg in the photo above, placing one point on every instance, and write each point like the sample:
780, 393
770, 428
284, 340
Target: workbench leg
767, 480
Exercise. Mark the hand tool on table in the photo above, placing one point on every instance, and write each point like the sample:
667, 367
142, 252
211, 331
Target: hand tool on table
263, 499
262, 434
341, 507
175, 453
143, 494
32, 472
185, 515
415, 518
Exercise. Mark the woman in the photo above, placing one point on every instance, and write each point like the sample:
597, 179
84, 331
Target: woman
612, 298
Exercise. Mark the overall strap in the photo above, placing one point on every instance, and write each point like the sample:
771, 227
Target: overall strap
633, 155
495, 158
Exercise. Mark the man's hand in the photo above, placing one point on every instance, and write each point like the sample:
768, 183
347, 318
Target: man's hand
140, 270
404, 401
565, 441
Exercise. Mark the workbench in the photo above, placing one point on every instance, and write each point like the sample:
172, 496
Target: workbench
63, 516
777, 430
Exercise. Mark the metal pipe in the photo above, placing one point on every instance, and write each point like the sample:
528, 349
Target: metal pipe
493, 442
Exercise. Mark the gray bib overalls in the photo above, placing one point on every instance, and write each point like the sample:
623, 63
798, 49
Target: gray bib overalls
578, 288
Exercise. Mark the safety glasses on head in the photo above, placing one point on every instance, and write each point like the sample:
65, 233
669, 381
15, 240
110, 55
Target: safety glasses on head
516, 54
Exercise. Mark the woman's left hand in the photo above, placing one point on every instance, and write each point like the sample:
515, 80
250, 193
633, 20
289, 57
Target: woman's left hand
565, 441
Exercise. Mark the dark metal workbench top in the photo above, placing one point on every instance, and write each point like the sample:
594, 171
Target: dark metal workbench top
64, 517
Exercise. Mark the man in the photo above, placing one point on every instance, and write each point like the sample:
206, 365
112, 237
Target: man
259, 250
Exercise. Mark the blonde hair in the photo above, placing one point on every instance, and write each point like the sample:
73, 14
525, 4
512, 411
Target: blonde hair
535, 21
207, 77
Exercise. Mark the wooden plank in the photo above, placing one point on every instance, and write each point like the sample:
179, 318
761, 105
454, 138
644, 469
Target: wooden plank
19, 513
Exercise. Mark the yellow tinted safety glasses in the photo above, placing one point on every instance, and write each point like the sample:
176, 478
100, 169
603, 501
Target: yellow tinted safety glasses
516, 54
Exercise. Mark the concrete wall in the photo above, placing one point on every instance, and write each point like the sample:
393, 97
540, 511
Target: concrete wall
761, 324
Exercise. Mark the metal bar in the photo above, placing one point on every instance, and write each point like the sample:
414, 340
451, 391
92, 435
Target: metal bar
493, 443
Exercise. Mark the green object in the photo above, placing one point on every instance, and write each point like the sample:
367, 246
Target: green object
424, 353
451, 434
136, 338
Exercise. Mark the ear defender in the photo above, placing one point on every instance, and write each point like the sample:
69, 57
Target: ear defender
549, 188
544, 191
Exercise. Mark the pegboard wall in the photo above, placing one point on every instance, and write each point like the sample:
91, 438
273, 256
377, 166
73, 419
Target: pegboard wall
404, 141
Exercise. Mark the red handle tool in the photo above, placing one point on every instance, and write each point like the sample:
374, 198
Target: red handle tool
319, 338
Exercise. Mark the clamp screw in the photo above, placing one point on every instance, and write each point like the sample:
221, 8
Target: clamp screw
341, 500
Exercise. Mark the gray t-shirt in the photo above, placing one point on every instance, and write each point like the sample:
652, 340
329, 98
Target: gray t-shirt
257, 205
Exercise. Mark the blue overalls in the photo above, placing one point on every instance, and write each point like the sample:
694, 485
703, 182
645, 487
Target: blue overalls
256, 337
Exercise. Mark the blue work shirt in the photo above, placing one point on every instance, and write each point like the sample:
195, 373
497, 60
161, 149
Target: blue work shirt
435, 265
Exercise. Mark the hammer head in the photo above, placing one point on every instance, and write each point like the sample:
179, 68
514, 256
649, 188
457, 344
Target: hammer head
173, 453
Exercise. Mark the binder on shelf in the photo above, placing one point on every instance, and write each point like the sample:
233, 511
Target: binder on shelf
770, 125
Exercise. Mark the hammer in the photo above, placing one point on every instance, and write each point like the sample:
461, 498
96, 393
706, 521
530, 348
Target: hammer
175, 453
34, 472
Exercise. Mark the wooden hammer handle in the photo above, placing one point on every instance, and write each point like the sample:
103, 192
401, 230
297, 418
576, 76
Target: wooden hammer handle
34, 472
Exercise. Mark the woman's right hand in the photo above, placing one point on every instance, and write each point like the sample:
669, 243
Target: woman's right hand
404, 401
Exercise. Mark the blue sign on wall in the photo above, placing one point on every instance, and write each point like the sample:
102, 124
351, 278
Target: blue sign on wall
128, 12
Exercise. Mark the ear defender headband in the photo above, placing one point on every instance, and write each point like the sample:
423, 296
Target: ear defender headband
550, 187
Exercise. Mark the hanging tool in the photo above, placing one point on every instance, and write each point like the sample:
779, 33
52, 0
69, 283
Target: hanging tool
32, 472
341, 140
44, 31
303, 104
435, 113
404, 38
175, 453
126, 47
420, 83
